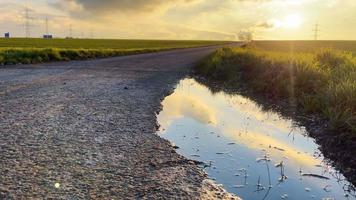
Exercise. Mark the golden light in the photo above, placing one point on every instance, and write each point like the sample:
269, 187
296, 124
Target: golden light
292, 21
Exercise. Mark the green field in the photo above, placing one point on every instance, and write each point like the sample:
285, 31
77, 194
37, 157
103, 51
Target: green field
36, 50
100, 43
304, 46
323, 82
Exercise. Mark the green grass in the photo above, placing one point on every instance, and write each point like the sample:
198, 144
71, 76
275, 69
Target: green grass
323, 82
35, 50
100, 43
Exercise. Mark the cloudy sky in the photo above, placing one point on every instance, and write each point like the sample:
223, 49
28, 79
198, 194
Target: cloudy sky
182, 19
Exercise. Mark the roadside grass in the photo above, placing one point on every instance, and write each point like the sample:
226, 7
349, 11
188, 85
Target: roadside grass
322, 83
35, 50
10, 56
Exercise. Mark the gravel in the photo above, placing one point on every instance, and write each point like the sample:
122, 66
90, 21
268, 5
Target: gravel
86, 130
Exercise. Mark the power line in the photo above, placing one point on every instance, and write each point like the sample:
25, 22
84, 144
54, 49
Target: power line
91, 34
70, 31
316, 31
47, 26
27, 22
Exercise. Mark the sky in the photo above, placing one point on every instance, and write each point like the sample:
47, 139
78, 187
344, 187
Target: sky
182, 19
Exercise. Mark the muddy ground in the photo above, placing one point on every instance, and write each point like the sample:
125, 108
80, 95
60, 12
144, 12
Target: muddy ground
86, 129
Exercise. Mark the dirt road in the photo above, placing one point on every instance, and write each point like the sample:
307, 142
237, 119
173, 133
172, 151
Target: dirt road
86, 129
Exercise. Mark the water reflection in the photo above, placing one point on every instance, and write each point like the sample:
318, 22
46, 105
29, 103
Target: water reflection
254, 154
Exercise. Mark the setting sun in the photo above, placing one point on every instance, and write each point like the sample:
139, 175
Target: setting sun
292, 21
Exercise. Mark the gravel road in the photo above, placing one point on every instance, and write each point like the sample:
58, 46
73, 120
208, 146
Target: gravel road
86, 130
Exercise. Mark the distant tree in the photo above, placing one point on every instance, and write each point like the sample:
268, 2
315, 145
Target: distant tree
245, 35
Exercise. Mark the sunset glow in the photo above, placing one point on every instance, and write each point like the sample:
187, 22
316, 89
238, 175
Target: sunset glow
182, 19
292, 21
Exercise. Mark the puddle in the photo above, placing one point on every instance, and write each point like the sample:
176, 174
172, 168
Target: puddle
254, 154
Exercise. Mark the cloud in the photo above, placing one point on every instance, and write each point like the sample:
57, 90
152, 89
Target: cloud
103, 7
181, 104
171, 31
180, 19
265, 25
67, 5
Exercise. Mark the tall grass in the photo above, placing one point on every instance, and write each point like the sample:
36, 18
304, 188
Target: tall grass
323, 82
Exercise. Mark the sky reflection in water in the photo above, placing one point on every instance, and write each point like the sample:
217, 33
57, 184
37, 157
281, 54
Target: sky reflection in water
237, 137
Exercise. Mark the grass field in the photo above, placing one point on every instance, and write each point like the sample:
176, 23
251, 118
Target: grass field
36, 50
304, 46
323, 82
100, 43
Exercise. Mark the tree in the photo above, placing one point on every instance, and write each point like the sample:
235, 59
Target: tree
245, 35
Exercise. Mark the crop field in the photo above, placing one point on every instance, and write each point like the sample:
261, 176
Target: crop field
304, 46
36, 50
100, 43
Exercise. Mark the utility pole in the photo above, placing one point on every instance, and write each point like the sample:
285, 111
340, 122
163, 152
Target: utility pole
47, 26
316, 31
27, 22
91, 34
70, 31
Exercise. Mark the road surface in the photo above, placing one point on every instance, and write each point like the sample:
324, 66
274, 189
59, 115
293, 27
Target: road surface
86, 129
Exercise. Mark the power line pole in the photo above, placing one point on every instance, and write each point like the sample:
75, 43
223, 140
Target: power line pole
316, 31
47, 26
70, 30
27, 22
91, 34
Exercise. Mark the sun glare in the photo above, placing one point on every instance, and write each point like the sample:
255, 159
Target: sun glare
292, 21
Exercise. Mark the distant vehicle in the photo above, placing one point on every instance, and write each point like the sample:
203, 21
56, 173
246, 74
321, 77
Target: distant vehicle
47, 36
7, 35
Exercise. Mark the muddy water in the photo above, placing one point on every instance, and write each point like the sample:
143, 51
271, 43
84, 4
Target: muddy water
253, 153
